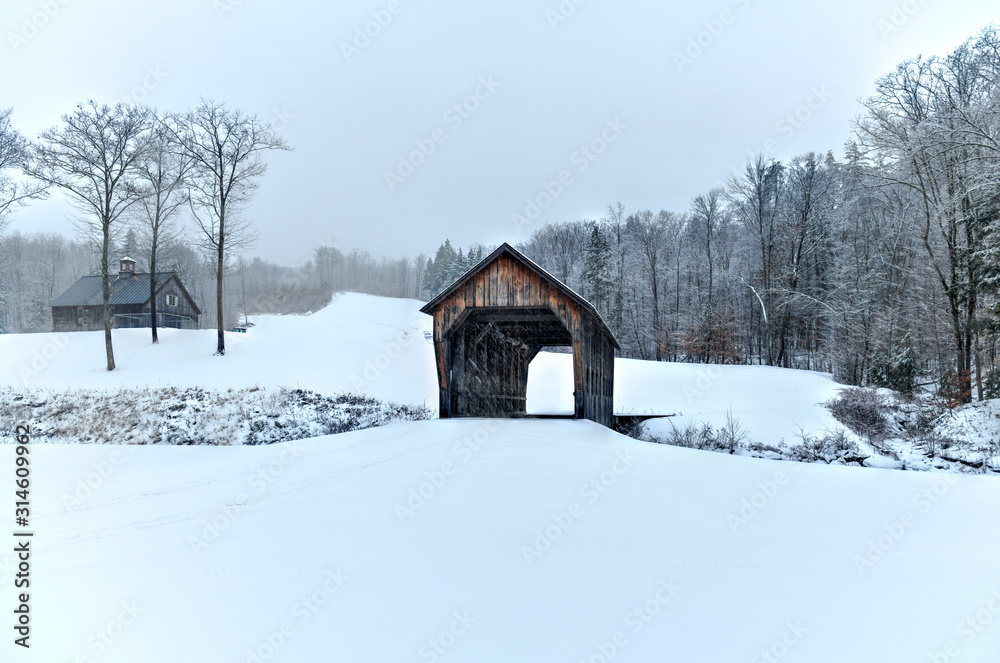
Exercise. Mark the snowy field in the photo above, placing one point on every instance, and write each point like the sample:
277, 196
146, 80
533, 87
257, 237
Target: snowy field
482, 540
381, 347
359, 343
487, 541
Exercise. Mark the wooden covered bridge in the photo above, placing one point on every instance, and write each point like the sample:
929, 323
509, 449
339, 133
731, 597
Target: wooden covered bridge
495, 319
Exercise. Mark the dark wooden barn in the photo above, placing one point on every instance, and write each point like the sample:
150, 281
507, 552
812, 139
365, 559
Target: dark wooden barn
495, 319
81, 308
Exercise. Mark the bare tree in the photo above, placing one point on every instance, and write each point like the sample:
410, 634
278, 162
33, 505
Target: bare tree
225, 148
934, 121
615, 223
93, 157
163, 173
706, 211
14, 153
755, 199
650, 234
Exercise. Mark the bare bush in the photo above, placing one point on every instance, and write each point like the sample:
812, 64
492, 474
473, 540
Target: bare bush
192, 416
835, 447
731, 437
864, 411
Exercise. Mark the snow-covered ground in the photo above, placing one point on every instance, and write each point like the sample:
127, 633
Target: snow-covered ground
481, 540
381, 347
772, 403
484, 541
359, 343
976, 424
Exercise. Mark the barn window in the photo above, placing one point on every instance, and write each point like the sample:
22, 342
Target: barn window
172, 300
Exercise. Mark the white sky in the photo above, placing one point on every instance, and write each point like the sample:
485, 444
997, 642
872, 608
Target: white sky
685, 128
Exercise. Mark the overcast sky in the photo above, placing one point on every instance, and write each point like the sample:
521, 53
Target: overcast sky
666, 98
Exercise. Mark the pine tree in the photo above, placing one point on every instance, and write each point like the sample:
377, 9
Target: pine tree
439, 270
597, 268
131, 247
459, 266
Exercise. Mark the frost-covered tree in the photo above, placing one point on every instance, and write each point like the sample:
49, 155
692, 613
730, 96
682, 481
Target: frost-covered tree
15, 152
931, 127
597, 268
93, 157
440, 268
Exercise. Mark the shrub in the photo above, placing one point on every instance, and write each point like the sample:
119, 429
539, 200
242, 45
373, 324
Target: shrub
897, 370
730, 437
863, 411
829, 448
955, 389
991, 383
185, 416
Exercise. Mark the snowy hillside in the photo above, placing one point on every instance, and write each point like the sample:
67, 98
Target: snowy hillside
487, 541
358, 343
381, 347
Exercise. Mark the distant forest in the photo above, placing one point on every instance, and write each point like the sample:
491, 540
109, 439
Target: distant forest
882, 268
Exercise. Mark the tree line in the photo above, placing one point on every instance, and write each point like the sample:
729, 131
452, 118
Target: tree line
36, 267
882, 268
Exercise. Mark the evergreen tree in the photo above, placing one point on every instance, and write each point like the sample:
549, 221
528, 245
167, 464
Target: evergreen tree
459, 266
130, 248
439, 270
597, 262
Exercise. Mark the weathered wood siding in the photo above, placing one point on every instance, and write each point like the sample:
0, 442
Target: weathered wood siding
483, 366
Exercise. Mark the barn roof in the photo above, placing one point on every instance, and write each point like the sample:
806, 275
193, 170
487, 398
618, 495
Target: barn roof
124, 291
507, 249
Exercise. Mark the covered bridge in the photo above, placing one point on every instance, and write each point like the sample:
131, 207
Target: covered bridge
495, 319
